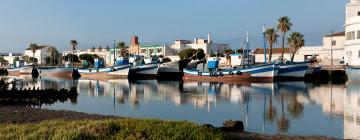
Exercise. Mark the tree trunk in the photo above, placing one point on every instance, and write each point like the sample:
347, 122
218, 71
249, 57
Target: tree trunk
270, 51
292, 57
283, 47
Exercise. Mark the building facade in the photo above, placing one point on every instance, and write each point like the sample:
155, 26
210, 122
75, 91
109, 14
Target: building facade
208, 45
40, 54
10, 58
134, 47
151, 50
352, 30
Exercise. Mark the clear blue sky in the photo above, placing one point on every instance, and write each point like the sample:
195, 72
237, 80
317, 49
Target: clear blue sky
98, 22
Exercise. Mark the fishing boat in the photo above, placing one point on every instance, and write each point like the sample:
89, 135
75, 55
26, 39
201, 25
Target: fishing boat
143, 68
119, 71
210, 73
295, 70
55, 71
353, 74
172, 70
18, 71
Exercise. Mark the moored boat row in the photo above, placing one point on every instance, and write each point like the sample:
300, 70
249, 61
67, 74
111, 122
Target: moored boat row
262, 73
200, 72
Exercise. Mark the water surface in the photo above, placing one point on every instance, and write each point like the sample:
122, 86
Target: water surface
295, 108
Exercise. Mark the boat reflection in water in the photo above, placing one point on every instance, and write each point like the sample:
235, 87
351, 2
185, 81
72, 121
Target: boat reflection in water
296, 108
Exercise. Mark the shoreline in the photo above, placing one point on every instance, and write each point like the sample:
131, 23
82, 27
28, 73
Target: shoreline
26, 115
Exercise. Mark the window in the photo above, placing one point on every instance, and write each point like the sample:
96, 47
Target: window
350, 35
151, 51
358, 13
358, 34
359, 54
333, 43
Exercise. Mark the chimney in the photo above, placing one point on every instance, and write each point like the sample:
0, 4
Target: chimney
134, 40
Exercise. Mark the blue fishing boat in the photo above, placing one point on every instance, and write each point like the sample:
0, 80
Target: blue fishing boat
210, 73
292, 70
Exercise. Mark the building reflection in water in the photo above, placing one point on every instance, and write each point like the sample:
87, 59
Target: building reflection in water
269, 108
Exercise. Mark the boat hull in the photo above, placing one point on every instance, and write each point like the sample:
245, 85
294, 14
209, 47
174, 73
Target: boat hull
353, 74
297, 70
264, 73
56, 72
117, 72
144, 71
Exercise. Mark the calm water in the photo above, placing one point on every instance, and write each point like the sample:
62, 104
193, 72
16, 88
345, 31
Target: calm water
295, 108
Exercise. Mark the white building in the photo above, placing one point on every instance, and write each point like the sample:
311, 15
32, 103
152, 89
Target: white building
207, 45
10, 58
40, 54
106, 54
352, 30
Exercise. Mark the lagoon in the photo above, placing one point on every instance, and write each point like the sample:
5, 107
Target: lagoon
294, 108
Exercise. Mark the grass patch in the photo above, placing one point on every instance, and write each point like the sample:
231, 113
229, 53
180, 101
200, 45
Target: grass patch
109, 129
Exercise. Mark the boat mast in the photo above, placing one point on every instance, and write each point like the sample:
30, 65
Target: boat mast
114, 53
247, 48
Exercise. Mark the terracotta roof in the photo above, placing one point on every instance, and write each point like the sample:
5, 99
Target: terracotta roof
274, 50
337, 34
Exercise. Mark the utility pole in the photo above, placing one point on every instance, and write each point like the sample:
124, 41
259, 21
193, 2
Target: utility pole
114, 52
247, 48
331, 55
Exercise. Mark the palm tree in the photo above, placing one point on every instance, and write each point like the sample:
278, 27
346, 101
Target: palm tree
33, 47
271, 38
121, 46
295, 41
73, 44
52, 51
284, 25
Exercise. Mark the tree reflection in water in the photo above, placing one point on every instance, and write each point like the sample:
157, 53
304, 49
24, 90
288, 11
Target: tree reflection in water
283, 122
271, 111
294, 107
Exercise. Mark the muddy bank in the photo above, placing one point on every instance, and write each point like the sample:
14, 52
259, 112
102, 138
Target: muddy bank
20, 114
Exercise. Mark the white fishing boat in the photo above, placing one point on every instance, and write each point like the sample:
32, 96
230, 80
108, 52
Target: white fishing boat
143, 68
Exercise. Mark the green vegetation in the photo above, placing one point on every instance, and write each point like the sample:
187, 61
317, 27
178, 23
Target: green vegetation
109, 129
71, 58
284, 25
295, 41
122, 47
271, 37
3, 61
89, 58
33, 47
192, 54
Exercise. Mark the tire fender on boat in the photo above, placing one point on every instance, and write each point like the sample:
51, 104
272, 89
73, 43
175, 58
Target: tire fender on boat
200, 73
211, 74
221, 74
231, 73
216, 75
97, 70
238, 73
89, 70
